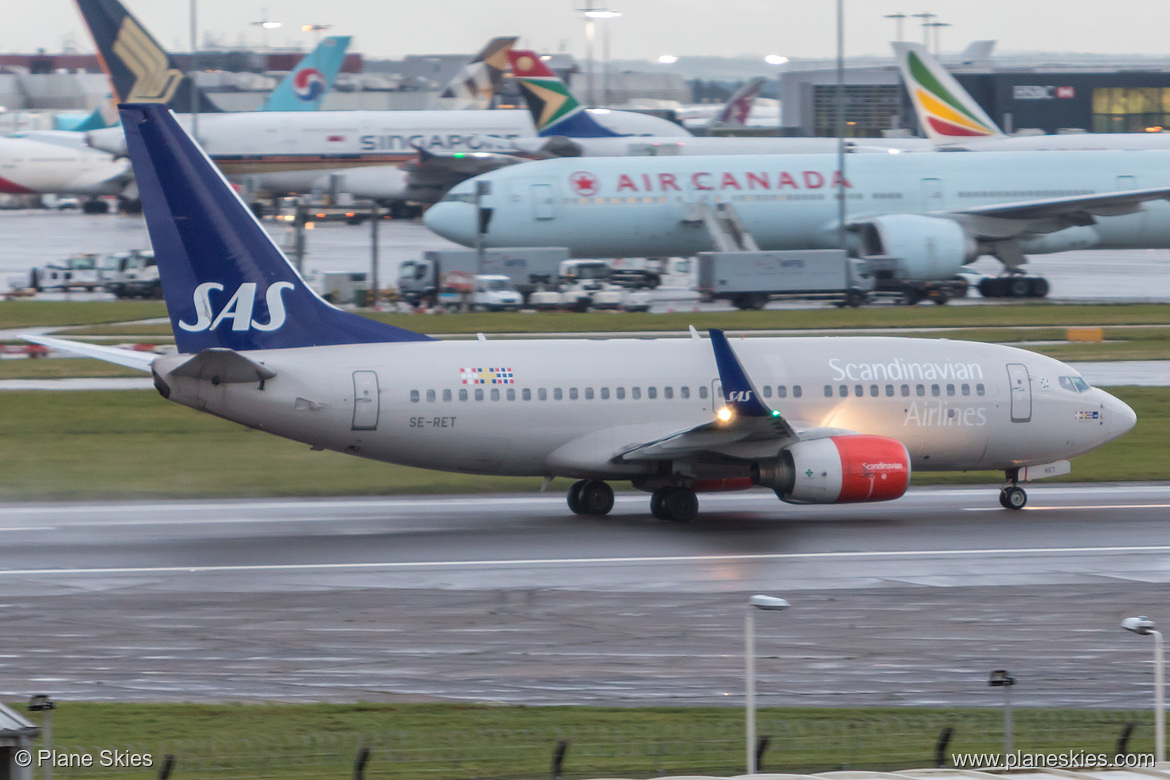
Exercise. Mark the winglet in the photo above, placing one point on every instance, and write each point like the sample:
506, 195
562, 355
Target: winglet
553, 107
738, 392
946, 112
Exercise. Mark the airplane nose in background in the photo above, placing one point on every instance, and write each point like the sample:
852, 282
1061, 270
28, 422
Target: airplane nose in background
453, 221
1121, 417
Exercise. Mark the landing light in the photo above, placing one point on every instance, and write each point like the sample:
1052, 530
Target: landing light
723, 414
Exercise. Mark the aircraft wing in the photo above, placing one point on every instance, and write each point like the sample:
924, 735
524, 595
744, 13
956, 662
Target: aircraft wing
431, 175
122, 357
1078, 209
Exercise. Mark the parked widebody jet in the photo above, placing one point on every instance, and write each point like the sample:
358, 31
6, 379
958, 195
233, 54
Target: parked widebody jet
954, 121
818, 420
934, 212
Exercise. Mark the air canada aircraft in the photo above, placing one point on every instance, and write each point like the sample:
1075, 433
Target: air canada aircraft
818, 420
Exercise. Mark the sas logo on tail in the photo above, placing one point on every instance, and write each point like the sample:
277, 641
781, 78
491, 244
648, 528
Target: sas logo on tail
153, 81
238, 309
309, 84
739, 397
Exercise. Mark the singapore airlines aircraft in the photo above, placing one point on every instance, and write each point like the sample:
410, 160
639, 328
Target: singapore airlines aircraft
817, 420
955, 122
935, 212
29, 166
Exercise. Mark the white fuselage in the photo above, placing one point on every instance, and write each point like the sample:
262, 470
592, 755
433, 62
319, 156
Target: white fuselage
568, 407
649, 206
297, 151
29, 166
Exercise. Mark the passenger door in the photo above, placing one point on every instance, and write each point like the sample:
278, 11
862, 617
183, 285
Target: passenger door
1021, 390
366, 402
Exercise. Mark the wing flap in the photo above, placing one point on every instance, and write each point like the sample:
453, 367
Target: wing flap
1101, 204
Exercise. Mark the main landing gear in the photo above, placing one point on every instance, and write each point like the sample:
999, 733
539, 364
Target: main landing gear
1014, 286
1012, 496
594, 497
590, 497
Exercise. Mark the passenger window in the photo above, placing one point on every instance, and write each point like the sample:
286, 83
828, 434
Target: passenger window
526, 394
462, 394
966, 389
621, 393
588, 393
542, 394
495, 393
635, 393
796, 391
668, 392
767, 391
905, 391
920, 390
889, 391
979, 389
511, 394
479, 394
702, 391
605, 394
935, 390
873, 391
651, 392
414, 396
684, 392
572, 394
843, 391
859, 390
950, 389
782, 391
430, 396
828, 391
557, 395
446, 395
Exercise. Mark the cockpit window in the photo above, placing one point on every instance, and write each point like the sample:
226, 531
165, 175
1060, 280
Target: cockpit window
460, 197
1074, 383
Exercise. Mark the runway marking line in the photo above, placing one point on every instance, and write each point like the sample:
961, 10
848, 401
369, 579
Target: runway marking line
1083, 506
566, 561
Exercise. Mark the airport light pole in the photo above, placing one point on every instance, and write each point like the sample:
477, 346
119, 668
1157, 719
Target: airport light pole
1144, 626
937, 27
42, 703
898, 19
194, 69
770, 603
591, 15
925, 29
841, 125
779, 61
316, 29
1001, 679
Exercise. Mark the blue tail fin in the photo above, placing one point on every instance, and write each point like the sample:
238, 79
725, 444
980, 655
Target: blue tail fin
140, 69
226, 283
306, 85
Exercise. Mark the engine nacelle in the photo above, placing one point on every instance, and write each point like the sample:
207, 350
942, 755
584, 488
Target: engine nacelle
929, 248
838, 470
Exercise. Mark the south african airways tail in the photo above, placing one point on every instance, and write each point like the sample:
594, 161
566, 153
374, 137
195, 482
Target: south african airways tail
555, 110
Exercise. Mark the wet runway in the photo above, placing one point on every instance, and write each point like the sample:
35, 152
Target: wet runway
508, 598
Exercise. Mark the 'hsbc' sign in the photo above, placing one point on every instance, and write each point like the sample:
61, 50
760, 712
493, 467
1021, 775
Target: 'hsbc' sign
1037, 92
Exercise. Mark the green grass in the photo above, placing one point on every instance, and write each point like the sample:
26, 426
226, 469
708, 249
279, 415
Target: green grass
127, 444
24, 313
41, 368
460, 741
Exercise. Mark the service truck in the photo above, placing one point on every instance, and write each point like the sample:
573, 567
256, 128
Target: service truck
750, 279
529, 269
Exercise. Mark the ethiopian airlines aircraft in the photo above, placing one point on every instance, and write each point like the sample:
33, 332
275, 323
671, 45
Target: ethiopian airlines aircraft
818, 420
934, 212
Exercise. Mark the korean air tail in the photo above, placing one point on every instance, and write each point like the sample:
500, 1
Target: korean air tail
226, 284
141, 72
554, 109
739, 105
946, 112
476, 83
306, 85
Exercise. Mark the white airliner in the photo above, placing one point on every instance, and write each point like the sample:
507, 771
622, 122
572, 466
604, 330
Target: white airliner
818, 420
29, 166
934, 212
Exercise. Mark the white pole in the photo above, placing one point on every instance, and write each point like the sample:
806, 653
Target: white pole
749, 661
1159, 701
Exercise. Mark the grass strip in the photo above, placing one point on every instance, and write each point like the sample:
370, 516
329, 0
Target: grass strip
481, 741
131, 444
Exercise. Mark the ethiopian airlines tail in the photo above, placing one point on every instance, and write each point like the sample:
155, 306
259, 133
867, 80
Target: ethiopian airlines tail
306, 85
227, 285
554, 109
946, 112
140, 70
476, 83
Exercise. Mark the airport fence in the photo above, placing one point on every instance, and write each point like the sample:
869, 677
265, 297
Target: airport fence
810, 744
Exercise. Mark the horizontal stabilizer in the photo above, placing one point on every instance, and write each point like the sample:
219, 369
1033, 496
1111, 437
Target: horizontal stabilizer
123, 357
223, 366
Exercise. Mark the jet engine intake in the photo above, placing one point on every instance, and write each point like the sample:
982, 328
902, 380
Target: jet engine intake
837, 470
927, 248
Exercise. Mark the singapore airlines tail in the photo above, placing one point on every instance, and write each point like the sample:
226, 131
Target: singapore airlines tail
946, 112
227, 285
306, 85
554, 109
476, 83
141, 71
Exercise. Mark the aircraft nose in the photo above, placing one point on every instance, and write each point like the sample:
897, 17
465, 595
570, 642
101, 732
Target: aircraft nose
1121, 417
453, 221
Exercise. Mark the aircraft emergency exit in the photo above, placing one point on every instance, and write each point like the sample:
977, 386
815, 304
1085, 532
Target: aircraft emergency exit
818, 420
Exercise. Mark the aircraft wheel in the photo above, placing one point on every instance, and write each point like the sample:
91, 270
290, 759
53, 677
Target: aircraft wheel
991, 287
1019, 287
574, 497
680, 505
939, 297
1039, 287
596, 498
911, 296
1013, 497
657, 498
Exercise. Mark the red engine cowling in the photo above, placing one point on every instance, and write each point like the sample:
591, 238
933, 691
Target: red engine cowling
838, 470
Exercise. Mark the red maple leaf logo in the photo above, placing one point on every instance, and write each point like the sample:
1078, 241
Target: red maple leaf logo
584, 183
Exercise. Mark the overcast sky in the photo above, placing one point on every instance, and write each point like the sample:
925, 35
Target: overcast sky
647, 28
